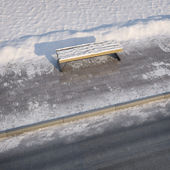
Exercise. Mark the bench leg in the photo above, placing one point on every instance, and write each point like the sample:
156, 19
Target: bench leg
115, 56
58, 65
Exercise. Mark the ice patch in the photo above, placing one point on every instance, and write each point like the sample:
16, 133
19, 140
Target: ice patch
41, 138
156, 64
159, 71
164, 43
32, 105
108, 86
95, 88
6, 84
10, 143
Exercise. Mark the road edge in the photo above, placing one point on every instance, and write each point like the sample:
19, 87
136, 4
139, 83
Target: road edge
95, 112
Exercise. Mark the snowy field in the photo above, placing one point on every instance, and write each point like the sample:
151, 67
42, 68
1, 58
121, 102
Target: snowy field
32, 30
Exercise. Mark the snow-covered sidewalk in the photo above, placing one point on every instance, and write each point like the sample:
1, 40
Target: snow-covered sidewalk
31, 88
35, 92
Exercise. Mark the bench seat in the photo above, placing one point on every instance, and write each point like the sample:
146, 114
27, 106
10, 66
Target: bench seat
86, 51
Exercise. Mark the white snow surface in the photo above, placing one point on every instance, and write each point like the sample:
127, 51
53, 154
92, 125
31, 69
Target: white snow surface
62, 23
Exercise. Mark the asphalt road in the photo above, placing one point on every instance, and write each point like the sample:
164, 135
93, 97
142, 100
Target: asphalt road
145, 146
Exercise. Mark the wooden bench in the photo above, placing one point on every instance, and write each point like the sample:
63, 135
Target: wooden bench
83, 51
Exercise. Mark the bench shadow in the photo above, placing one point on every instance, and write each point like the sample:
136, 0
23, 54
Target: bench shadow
48, 48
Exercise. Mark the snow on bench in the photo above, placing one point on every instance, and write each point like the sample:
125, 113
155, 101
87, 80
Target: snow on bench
86, 51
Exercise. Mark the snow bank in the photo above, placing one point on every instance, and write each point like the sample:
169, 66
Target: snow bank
27, 24
140, 30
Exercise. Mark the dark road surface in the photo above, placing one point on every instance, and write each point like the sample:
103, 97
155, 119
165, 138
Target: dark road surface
143, 147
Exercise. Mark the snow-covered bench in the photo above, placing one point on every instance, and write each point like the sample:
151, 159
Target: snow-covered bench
87, 50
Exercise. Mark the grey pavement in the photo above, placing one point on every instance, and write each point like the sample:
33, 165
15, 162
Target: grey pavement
83, 85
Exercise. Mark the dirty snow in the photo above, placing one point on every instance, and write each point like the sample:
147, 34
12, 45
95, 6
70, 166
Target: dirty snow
71, 132
159, 71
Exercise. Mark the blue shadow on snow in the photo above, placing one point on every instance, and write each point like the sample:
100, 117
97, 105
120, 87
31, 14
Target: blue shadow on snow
48, 48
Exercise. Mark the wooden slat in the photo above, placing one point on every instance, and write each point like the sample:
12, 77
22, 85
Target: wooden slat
89, 56
67, 48
82, 45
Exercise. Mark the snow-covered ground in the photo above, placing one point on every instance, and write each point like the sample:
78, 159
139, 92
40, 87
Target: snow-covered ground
31, 31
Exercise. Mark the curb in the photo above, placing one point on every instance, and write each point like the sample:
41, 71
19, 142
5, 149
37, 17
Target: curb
77, 116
